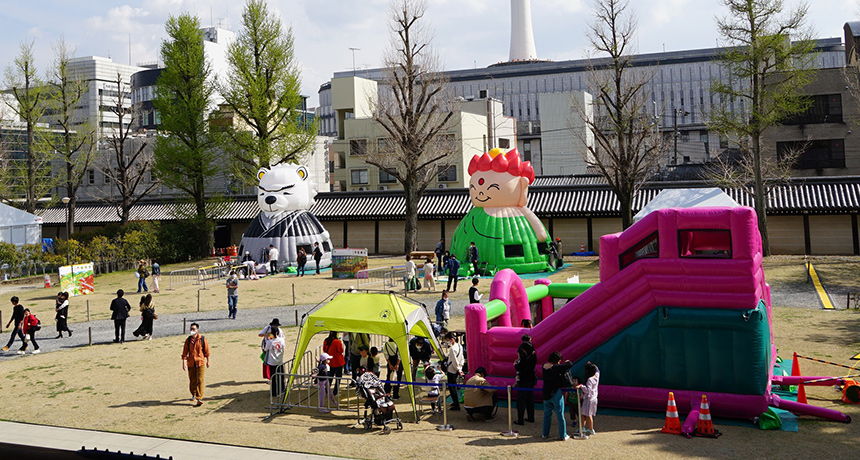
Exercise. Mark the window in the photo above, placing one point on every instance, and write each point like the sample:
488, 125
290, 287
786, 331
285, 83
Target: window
357, 146
705, 244
448, 174
105, 177
685, 136
358, 176
527, 150
91, 176
724, 142
504, 143
648, 248
382, 146
825, 108
817, 154
514, 250
385, 178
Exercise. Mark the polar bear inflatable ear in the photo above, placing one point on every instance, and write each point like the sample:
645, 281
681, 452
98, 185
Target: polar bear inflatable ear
302, 172
262, 172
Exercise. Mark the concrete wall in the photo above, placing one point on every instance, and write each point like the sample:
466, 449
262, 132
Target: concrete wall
831, 235
786, 234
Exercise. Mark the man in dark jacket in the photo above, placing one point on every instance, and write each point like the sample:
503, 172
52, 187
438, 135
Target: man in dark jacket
474, 258
553, 397
526, 378
453, 268
17, 316
317, 256
120, 309
420, 352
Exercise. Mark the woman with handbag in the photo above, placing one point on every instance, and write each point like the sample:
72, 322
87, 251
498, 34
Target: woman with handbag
62, 316
147, 315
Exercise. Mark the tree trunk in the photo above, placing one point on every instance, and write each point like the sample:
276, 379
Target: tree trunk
760, 198
70, 192
412, 196
625, 199
31, 198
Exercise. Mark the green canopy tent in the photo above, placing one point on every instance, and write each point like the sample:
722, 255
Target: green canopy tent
383, 314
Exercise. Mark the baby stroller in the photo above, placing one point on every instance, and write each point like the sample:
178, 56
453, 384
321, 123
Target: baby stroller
381, 406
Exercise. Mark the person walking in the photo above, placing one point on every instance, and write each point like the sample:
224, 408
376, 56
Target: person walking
443, 310
440, 250
334, 348
29, 325
317, 256
195, 355
526, 378
454, 370
17, 317
119, 309
147, 316
453, 268
553, 397
62, 314
156, 277
429, 275
274, 347
274, 255
301, 260
142, 274
589, 396
232, 285
394, 366
412, 283
474, 259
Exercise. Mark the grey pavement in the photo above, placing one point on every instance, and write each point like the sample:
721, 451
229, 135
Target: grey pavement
70, 439
172, 325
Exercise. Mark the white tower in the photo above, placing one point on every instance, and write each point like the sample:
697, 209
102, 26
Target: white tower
522, 36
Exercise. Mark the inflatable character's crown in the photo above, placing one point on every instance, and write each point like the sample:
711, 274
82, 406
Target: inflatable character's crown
499, 161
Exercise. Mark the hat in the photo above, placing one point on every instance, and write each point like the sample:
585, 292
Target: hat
325, 356
275, 322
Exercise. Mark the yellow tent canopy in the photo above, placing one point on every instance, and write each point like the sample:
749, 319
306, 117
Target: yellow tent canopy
383, 314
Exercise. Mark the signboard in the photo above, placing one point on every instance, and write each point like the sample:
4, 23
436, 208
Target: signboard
345, 263
77, 279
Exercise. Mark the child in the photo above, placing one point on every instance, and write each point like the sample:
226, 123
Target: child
429, 275
436, 378
474, 295
589, 397
324, 382
374, 361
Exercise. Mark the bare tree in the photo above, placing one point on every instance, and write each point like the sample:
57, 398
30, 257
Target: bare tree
75, 142
734, 169
128, 158
626, 144
412, 110
29, 93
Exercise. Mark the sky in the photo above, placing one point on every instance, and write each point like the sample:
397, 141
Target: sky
466, 33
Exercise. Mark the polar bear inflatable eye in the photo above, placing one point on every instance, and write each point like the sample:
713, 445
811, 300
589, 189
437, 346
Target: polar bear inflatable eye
262, 172
302, 172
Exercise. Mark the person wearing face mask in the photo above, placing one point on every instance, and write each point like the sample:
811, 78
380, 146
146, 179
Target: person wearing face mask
195, 355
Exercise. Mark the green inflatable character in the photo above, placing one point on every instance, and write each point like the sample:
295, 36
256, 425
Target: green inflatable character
506, 233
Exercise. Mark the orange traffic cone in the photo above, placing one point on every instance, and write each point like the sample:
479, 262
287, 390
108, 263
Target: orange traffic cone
795, 367
801, 393
673, 422
581, 247
705, 427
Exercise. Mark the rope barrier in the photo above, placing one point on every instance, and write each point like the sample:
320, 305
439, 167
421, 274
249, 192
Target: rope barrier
829, 362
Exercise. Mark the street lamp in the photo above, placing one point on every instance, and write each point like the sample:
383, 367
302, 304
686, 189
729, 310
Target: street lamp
66, 201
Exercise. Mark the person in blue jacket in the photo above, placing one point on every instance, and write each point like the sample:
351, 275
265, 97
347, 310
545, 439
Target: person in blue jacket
453, 272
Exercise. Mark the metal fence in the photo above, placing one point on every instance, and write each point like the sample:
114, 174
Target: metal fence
304, 393
198, 276
387, 276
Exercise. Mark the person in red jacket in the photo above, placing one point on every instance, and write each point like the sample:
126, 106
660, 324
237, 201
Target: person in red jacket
334, 347
29, 325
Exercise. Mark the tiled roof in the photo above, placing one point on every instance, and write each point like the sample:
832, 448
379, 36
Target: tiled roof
815, 196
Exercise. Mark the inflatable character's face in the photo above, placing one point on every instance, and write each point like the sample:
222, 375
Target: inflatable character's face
285, 187
493, 189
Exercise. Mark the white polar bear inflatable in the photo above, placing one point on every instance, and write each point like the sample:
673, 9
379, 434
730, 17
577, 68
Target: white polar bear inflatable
285, 193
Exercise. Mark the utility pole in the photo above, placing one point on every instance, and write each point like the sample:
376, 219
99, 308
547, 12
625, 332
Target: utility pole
675, 114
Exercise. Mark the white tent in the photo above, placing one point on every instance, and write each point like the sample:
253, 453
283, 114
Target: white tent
687, 198
19, 227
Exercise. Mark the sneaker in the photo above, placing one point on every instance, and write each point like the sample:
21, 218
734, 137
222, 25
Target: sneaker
543, 436
5, 348
20, 352
199, 403
36, 352
324, 411
149, 337
193, 398
565, 438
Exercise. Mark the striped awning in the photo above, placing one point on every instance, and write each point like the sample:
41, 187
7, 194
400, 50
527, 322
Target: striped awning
810, 196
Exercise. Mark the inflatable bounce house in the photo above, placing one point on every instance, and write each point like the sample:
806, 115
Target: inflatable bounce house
505, 231
682, 305
286, 192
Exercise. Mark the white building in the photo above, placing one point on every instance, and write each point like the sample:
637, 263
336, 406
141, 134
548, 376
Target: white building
106, 81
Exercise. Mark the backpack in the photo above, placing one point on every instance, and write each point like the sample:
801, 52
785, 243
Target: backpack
38, 326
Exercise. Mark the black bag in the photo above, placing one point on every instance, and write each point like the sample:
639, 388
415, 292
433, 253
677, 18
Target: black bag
38, 326
567, 380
